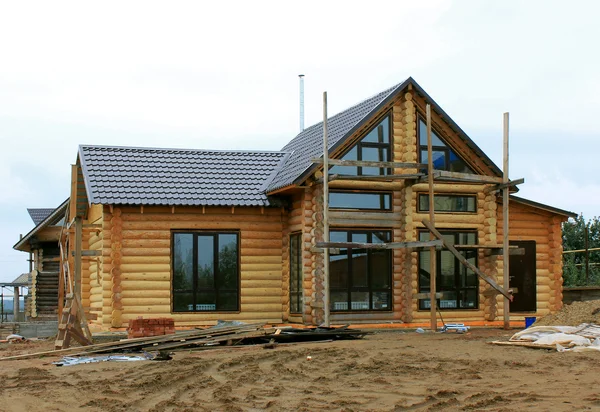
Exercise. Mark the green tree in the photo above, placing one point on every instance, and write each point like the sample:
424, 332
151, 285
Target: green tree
574, 238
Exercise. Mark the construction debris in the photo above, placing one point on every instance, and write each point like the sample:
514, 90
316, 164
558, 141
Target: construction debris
573, 315
220, 335
72, 360
561, 338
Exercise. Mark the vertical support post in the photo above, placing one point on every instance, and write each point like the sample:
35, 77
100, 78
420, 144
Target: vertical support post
2, 306
77, 263
432, 251
325, 214
16, 304
587, 254
505, 254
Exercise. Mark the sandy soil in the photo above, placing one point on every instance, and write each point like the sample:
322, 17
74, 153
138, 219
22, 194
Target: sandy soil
386, 371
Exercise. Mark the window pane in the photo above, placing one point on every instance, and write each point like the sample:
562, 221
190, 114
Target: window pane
468, 299
448, 301
206, 269
359, 300
228, 301
457, 164
359, 262
183, 258
448, 203
382, 301
295, 274
206, 301
347, 200
183, 302
446, 278
380, 134
338, 264
380, 268
439, 159
435, 139
347, 170
228, 262
374, 154
339, 300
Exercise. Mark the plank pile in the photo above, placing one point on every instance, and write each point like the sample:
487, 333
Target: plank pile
207, 338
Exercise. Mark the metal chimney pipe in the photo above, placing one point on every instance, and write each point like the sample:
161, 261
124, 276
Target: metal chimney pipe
301, 76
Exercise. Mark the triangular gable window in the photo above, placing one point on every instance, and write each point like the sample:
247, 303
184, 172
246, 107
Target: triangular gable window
444, 158
375, 146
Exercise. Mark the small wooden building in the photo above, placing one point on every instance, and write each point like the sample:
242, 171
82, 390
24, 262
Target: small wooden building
42, 245
199, 235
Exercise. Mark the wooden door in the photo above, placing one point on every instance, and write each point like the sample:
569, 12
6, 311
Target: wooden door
522, 277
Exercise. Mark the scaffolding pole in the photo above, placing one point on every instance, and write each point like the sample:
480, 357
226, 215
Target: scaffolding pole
505, 253
325, 215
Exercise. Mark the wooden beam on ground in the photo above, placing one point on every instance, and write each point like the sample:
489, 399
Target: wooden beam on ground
432, 251
366, 163
393, 245
465, 262
502, 186
505, 225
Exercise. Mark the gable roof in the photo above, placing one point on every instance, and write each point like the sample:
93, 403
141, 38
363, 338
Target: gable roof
39, 214
154, 176
308, 144
54, 217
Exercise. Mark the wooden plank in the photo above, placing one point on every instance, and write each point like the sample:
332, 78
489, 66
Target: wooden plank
432, 251
378, 178
77, 266
505, 225
392, 245
89, 253
365, 163
502, 186
427, 295
464, 261
468, 177
523, 344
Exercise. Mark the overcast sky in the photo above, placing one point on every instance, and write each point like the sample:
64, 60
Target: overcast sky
223, 75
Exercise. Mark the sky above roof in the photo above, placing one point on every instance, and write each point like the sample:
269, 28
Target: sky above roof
222, 75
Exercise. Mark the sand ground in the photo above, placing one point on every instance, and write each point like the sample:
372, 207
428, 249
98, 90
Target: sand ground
386, 371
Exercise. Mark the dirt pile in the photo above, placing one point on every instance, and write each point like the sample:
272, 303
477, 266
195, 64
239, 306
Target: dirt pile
573, 315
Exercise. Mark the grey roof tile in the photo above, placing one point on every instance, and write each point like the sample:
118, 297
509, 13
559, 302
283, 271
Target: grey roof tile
152, 176
39, 214
308, 144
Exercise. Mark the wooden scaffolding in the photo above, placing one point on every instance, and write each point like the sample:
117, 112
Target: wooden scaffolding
436, 240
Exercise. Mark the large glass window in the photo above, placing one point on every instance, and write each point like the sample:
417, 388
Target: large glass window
459, 286
360, 279
375, 146
295, 273
443, 157
360, 200
205, 272
449, 203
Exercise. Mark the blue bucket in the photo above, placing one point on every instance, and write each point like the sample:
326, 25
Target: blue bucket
529, 320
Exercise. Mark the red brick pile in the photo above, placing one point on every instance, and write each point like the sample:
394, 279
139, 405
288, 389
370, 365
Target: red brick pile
141, 328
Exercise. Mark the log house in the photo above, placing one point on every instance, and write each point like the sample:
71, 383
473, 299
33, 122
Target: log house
200, 236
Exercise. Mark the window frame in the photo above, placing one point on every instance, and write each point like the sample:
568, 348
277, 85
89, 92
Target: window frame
215, 235
368, 192
446, 149
471, 195
369, 288
359, 144
457, 267
300, 293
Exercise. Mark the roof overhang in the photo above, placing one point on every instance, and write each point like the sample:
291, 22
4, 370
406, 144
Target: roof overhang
542, 206
23, 243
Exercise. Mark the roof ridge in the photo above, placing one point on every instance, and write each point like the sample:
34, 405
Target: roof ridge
174, 149
390, 90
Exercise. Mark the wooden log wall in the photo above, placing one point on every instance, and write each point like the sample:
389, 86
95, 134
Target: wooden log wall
317, 274
527, 223
136, 262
